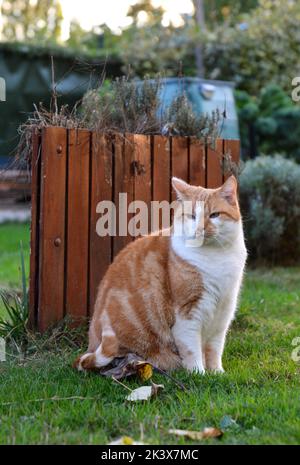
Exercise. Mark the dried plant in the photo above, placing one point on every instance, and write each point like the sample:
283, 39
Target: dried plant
125, 106
183, 121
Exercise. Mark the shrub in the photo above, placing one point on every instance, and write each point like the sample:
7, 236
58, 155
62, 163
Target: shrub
270, 202
262, 48
270, 115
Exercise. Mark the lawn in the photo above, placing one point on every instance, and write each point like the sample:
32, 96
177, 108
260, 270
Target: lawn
259, 389
11, 235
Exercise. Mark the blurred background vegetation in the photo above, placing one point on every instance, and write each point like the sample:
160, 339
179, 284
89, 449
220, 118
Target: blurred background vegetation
254, 43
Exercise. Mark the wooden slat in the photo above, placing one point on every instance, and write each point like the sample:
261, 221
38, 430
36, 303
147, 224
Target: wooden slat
161, 173
197, 162
76, 300
142, 173
101, 189
214, 164
52, 227
34, 231
233, 148
179, 160
123, 183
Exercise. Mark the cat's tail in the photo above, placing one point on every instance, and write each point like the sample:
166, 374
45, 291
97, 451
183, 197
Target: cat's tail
85, 362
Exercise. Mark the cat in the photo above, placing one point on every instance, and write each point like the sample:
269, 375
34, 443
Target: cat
167, 301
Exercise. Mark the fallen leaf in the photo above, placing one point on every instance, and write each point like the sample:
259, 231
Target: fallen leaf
132, 365
197, 435
123, 367
125, 441
145, 370
156, 388
144, 392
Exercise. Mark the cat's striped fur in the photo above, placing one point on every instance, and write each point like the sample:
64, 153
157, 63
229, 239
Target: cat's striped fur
169, 303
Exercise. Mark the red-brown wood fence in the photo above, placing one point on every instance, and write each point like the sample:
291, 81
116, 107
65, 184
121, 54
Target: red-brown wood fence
73, 170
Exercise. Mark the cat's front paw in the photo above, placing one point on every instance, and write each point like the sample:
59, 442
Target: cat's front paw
194, 367
220, 370
216, 370
198, 371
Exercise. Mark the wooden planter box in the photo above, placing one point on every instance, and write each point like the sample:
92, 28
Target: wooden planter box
73, 170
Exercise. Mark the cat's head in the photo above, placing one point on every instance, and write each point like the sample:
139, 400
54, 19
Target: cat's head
211, 214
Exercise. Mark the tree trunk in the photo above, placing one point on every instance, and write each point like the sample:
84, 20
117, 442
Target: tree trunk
200, 21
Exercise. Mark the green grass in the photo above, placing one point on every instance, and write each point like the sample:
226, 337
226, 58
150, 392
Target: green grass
10, 236
259, 389
10, 262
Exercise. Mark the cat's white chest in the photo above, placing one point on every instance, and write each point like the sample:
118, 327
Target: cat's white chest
221, 274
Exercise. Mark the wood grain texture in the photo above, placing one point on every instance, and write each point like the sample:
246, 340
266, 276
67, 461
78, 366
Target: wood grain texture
100, 249
123, 183
197, 162
161, 177
142, 177
76, 300
179, 160
34, 230
52, 227
214, 159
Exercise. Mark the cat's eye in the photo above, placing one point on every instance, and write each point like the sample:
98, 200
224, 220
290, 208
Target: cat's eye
214, 215
193, 217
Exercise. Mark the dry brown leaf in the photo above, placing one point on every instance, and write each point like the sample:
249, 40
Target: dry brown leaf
156, 388
144, 370
144, 392
198, 435
130, 365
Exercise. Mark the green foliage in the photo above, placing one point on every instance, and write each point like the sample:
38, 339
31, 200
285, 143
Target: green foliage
151, 48
11, 234
13, 325
220, 11
270, 201
263, 48
274, 118
38, 21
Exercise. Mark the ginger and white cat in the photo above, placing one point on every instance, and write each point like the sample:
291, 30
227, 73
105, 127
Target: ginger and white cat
170, 303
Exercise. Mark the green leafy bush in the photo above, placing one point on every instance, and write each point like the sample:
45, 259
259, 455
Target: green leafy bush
273, 119
263, 47
270, 202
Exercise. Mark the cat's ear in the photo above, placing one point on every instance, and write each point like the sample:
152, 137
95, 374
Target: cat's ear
181, 188
229, 190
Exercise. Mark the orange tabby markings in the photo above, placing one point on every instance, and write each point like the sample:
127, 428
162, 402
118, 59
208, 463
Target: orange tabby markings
169, 303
